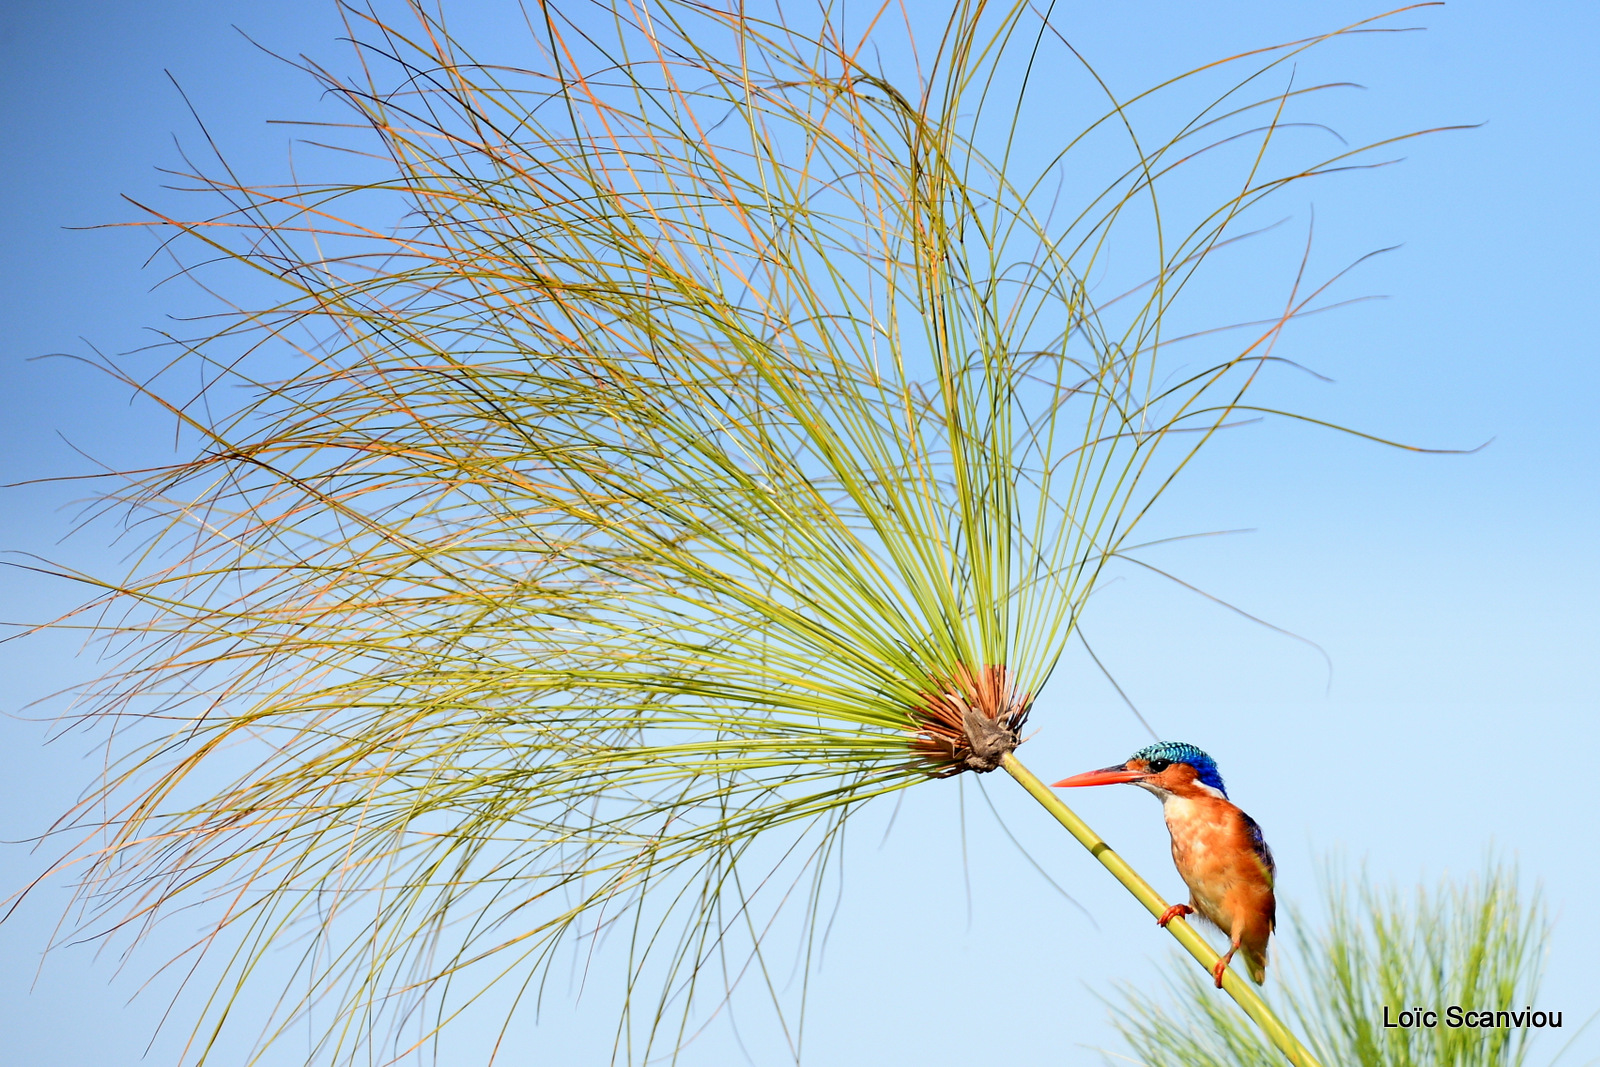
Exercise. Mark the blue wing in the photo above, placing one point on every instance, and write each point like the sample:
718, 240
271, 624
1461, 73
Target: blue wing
1259, 845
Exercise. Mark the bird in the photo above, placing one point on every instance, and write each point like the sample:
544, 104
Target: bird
1217, 848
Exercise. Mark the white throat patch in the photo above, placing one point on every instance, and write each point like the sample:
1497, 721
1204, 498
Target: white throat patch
1150, 787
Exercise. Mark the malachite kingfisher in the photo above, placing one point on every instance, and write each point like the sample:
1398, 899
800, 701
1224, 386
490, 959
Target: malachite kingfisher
1217, 848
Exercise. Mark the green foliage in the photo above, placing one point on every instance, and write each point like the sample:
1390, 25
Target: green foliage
1474, 943
689, 435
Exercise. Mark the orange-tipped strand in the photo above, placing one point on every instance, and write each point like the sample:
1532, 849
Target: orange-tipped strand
945, 738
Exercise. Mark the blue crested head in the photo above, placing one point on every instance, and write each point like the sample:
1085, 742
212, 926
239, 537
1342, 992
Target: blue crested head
1179, 752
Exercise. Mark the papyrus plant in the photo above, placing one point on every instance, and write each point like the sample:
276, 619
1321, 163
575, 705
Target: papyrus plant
1472, 943
664, 446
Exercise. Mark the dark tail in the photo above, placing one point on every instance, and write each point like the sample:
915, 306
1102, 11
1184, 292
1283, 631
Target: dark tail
1255, 960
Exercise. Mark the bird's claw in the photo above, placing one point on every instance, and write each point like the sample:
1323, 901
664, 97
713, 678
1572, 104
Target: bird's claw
1174, 912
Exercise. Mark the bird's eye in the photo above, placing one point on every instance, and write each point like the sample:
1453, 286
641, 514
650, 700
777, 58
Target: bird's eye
1159, 765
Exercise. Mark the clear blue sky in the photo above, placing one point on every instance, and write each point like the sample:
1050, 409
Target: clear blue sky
1456, 595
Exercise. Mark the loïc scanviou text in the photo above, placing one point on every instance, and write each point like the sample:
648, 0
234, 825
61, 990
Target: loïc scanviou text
1456, 1016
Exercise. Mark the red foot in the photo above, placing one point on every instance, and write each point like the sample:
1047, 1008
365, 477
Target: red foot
1217, 971
1173, 912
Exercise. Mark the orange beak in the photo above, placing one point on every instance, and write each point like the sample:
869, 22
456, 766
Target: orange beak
1104, 776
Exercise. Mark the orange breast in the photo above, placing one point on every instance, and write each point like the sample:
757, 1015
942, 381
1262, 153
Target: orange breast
1213, 849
